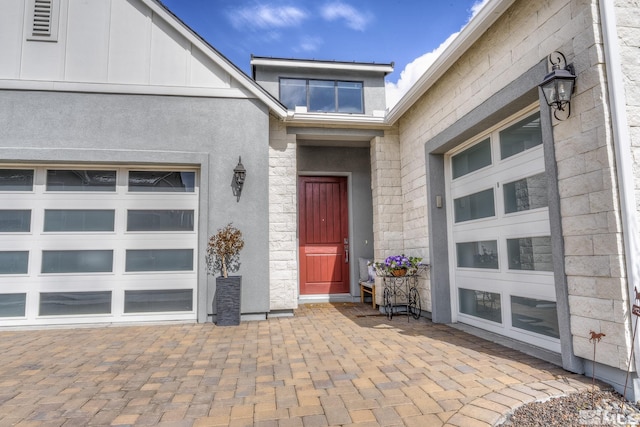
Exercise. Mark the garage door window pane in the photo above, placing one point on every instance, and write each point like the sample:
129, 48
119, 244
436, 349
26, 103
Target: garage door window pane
158, 301
535, 315
525, 194
12, 305
474, 206
162, 181
78, 220
81, 180
530, 253
69, 303
16, 180
471, 159
160, 260
14, 262
350, 97
478, 254
96, 261
160, 220
520, 137
15, 221
485, 305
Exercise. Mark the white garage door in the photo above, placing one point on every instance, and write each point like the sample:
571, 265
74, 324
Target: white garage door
501, 245
83, 244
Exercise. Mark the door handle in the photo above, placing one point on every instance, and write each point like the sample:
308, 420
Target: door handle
346, 254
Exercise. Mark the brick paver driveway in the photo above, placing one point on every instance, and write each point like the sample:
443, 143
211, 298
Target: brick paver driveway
332, 365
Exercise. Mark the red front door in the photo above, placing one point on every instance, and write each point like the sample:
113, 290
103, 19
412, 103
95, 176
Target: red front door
324, 237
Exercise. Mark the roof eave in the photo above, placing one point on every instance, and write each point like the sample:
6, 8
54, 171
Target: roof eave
329, 119
467, 37
321, 64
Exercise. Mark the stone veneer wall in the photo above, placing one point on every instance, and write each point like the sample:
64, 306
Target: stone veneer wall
283, 249
524, 35
387, 195
590, 208
388, 207
628, 23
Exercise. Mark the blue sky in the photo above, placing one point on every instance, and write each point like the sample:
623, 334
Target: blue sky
409, 33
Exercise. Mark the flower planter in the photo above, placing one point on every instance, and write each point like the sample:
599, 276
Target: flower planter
227, 300
398, 266
399, 272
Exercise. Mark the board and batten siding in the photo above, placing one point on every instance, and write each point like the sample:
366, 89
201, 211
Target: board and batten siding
106, 42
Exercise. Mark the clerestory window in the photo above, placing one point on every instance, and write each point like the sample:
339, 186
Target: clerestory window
326, 96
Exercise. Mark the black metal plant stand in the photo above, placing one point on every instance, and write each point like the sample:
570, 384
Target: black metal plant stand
401, 292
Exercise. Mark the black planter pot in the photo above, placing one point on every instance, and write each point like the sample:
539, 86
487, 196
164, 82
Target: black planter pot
227, 300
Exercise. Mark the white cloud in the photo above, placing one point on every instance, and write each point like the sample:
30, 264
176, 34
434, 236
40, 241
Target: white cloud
412, 72
477, 6
266, 17
337, 10
309, 44
415, 69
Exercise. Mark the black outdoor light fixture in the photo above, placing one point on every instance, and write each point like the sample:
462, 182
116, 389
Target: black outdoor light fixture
557, 86
239, 175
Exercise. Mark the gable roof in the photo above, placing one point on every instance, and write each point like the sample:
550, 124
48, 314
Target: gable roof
255, 89
243, 85
124, 46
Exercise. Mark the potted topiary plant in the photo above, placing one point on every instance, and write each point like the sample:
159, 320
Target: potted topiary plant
223, 255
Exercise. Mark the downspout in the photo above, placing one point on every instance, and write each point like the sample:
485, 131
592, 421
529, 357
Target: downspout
622, 143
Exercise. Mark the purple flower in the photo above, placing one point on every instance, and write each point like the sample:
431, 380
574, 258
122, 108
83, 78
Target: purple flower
396, 262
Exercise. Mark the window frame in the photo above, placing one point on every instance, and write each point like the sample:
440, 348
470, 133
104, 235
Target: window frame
336, 97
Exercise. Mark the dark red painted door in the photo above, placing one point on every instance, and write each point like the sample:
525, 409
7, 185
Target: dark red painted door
324, 237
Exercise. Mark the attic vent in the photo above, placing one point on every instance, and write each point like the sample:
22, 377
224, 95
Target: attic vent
43, 24
42, 18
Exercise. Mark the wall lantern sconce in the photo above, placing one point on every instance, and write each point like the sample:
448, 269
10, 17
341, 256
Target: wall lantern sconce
239, 175
557, 86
